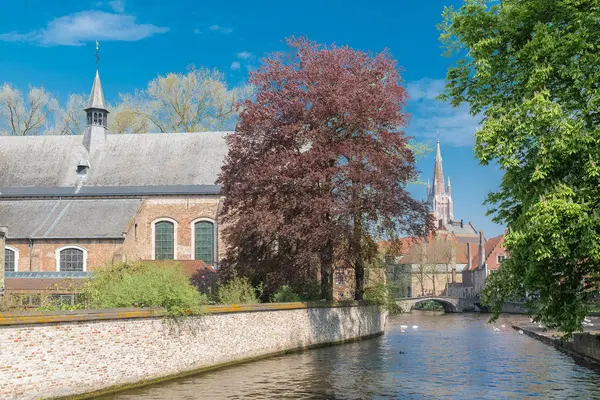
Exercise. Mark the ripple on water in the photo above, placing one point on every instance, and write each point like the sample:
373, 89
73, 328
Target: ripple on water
448, 357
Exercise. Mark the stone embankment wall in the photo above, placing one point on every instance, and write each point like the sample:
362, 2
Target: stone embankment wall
581, 345
64, 354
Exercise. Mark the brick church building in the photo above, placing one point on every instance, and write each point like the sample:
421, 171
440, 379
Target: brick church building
69, 204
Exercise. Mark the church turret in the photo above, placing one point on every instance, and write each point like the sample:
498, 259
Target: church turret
97, 115
96, 109
449, 189
428, 189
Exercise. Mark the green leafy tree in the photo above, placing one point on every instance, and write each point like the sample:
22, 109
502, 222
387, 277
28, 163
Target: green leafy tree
529, 69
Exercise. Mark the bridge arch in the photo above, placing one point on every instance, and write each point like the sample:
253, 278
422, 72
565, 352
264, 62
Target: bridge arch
448, 306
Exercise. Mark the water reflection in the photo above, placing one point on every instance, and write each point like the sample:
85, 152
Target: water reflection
452, 356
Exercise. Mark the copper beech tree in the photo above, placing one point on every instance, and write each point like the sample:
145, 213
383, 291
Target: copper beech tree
317, 168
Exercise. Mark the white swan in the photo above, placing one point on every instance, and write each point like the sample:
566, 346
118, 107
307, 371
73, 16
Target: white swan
520, 331
403, 326
402, 330
496, 329
415, 326
504, 326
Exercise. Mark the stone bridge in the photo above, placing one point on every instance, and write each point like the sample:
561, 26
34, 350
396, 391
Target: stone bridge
450, 304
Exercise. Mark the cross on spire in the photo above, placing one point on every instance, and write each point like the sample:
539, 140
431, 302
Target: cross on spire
97, 56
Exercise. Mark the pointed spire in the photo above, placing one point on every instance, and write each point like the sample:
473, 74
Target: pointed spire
428, 187
438, 173
449, 188
96, 99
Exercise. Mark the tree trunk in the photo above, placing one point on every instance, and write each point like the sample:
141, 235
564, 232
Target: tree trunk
359, 265
327, 272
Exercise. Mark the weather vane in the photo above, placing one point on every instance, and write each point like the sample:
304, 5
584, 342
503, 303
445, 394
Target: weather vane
438, 132
97, 56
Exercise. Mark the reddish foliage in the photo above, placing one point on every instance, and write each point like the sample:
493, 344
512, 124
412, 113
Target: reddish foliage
318, 166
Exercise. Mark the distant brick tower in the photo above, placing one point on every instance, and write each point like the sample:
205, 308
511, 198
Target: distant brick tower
439, 197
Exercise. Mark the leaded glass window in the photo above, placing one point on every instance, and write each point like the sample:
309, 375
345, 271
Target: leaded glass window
71, 259
9, 260
205, 242
339, 278
164, 240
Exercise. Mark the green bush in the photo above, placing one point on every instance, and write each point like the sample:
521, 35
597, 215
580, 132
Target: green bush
310, 291
285, 294
239, 290
382, 295
143, 285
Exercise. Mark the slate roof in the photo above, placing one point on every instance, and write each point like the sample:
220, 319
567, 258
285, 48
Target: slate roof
74, 218
130, 163
96, 99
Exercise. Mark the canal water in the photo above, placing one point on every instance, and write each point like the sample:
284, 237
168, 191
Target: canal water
455, 356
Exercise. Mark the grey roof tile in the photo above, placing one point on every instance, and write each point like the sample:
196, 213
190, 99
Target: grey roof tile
76, 218
187, 161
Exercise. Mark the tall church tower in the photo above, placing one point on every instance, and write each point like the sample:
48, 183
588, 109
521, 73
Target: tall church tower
439, 197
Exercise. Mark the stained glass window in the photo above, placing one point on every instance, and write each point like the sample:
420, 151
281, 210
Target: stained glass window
164, 240
339, 278
9, 260
71, 259
205, 242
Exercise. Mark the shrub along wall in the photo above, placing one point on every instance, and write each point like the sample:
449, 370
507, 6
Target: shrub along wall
58, 354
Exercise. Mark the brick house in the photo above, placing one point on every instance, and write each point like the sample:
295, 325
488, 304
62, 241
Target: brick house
74, 203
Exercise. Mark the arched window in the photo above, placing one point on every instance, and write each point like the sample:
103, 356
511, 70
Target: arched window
95, 118
164, 232
89, 118
71, 259
203, 232
100, 119
11, 259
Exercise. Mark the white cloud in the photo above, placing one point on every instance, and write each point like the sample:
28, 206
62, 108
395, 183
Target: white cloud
235, 65
75, 29
245, 55
221, 29
117, 5
429, 116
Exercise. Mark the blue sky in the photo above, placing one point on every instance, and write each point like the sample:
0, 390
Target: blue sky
52, 44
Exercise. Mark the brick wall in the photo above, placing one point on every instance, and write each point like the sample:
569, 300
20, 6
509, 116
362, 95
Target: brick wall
184, 210
136, 244
61, 359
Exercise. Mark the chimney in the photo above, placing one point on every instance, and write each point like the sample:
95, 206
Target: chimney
468, 267
481, 250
